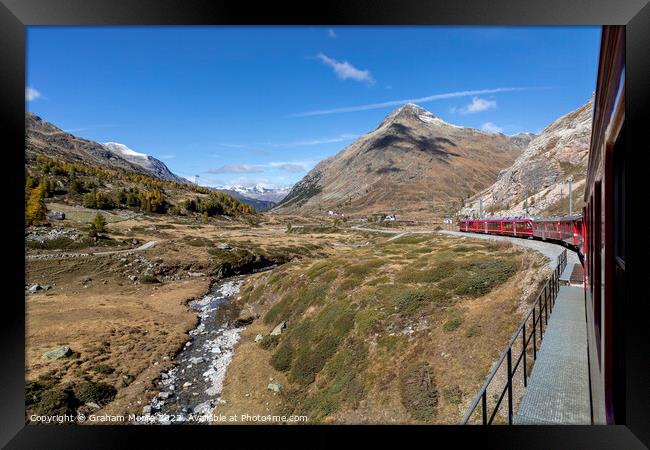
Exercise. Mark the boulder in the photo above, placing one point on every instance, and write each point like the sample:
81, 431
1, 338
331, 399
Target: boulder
146, 409
56, 353
258, 338
56, 215
242, 321
224, 246
34, 288
275, 387
277, 331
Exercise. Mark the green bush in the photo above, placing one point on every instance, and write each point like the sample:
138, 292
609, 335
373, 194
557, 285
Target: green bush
419, 393
454, 319
281, 359
412, 300
149, 279
54, 401
453, 395
453, 324
100, 393
268, 342
483, 276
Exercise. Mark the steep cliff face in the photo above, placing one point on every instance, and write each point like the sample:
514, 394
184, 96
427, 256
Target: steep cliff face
413, 163
538, 179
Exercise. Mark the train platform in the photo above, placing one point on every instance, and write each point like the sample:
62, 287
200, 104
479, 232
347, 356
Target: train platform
558, 387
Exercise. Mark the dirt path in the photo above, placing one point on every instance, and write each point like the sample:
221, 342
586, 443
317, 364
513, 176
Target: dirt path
145, 246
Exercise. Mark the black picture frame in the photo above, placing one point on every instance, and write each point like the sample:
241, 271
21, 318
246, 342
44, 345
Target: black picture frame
15, 15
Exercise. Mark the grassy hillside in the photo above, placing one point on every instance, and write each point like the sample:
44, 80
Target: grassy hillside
106, 189
396, 332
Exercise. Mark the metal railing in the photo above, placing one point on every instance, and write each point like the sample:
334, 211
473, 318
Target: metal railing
538, 317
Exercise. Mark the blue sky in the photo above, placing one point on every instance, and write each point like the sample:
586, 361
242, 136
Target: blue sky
248, 105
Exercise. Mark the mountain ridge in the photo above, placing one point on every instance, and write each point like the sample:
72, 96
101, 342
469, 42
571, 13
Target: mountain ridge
413, 162
537, 179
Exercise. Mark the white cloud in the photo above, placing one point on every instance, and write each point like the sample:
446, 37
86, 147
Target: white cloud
491, 128
331, 33
237, 168
292, 166
477, 105
345, 70
313, 141
339, 138
31, 94
167, 156
429, 98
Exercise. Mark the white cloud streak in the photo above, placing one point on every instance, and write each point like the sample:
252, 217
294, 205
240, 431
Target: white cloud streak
331, 33
344, 70
477, 105
390, 103
237, 168
31, 94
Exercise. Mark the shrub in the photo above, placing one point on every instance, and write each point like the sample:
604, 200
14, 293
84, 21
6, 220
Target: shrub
100, 393
99, 222
412, 300
268, 342
453, 324
103, 369
281, 359
454, 320
482, 276
54, 401
149, 279
453, 395
472, 331
418, 392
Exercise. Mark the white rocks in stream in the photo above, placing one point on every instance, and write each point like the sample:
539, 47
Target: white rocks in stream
214, 355
225, 344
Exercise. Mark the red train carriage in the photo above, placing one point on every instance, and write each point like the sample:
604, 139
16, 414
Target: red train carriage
599, 235
568, 230
604, 233
504, 226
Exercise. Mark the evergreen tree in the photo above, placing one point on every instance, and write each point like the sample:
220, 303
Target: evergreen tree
97, 226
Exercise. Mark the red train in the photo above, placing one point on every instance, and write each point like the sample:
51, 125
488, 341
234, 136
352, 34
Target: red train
599, 235
568, 231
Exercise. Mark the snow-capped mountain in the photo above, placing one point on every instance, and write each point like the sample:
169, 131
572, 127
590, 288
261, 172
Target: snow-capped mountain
152, 165
413, 162
261, 192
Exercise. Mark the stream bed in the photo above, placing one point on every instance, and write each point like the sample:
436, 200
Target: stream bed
192, 388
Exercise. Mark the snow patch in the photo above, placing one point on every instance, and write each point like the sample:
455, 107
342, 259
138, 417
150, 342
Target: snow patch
124, 150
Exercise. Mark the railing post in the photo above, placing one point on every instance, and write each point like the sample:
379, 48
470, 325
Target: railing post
534, 337
510, 386
541, 323
546, 312
523, 349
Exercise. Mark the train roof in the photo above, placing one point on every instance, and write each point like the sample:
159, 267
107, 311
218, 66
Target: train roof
557, 218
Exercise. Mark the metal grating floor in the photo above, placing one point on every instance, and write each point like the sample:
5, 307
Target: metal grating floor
558, 388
